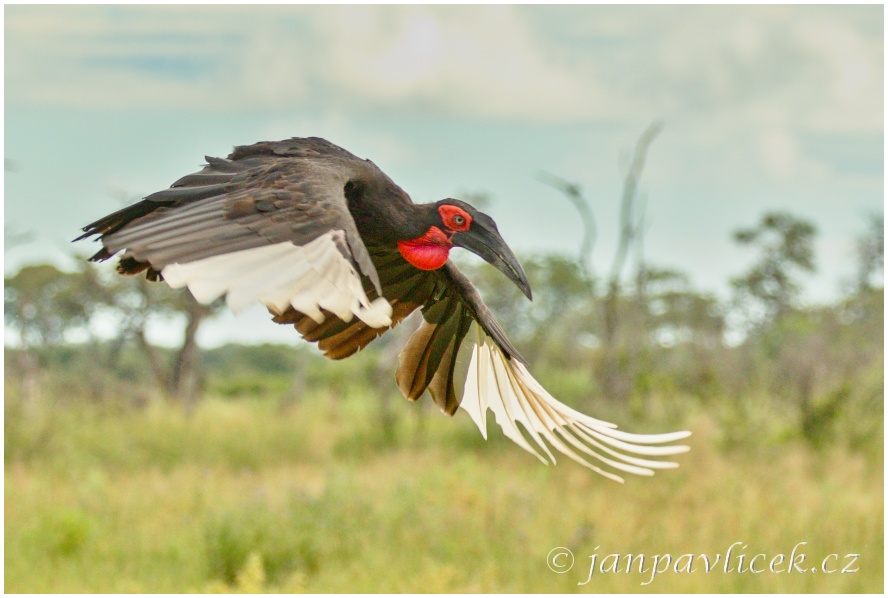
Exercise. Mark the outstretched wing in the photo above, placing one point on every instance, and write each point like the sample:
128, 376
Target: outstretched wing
464, 359
269, 224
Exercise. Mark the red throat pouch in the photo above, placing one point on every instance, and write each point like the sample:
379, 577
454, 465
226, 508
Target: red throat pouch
428, 252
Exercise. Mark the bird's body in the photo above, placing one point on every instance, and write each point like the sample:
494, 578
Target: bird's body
330, 244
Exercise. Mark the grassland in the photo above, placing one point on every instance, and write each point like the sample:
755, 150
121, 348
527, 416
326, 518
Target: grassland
241, 496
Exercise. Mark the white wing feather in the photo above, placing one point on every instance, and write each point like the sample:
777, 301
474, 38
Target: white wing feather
309, 278
492, 381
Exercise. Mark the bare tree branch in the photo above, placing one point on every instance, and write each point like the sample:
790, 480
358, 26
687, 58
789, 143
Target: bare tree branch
630, 188
574, 194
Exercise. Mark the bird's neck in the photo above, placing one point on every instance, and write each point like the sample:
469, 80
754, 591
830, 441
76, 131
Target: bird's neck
414, 228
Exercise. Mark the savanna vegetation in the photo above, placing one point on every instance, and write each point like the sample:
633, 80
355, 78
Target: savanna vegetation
136, 468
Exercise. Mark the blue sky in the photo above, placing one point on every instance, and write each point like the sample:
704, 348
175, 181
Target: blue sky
765, 107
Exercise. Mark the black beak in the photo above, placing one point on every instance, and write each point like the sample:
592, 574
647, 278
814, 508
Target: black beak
490, 246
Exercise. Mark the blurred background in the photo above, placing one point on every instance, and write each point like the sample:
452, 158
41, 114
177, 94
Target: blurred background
695, 192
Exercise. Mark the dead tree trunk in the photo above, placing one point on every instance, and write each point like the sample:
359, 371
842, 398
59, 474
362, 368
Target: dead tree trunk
616, 380
185, 378
584, 209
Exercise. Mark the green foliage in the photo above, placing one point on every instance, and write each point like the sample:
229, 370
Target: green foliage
785, 245
266, 359
677, 314
422, 516
278, 539
157, 436
818, 420
42, 303
249, 386
63, 533
251, 579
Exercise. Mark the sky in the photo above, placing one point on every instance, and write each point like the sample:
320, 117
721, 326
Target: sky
764, 108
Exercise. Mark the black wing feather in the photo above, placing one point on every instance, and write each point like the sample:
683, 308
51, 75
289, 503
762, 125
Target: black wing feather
266, 193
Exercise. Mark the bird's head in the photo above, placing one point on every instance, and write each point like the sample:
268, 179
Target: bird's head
453, 223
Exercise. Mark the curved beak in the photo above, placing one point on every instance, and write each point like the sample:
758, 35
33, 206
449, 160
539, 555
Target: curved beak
490, 246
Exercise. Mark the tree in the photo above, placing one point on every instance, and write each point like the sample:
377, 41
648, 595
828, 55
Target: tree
785, 245
678, 314
42, 303
621, 358
135, 301
620, 350
574, 194
871, 252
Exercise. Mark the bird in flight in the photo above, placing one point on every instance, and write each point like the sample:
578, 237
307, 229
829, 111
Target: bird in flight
331, 245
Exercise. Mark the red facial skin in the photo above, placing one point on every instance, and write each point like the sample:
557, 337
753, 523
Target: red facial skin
430, 251
455, 219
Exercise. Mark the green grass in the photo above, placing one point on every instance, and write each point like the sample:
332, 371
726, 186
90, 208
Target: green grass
242, 497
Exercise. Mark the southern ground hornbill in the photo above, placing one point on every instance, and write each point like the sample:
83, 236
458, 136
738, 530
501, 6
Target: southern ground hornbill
330, 244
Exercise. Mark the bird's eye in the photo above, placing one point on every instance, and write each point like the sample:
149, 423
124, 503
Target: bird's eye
454, 217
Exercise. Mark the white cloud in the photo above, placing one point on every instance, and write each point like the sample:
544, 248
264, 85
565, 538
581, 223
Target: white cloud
779, 152
734, 67
474, 61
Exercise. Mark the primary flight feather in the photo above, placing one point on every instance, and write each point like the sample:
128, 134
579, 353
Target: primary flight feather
330, 244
